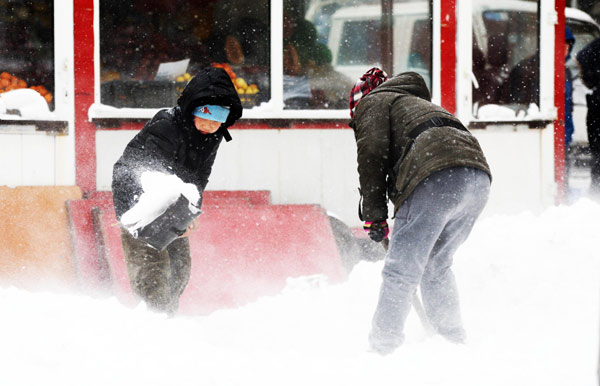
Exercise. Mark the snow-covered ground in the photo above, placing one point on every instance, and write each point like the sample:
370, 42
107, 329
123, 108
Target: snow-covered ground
530, 295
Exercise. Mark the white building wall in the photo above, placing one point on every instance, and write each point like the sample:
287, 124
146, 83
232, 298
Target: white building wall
319, 166
296, 166
302, 166
27, 159
522, 164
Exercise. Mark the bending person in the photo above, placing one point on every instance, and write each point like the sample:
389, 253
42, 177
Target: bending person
420, 157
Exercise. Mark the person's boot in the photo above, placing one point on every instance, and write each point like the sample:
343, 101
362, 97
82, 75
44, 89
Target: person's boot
454, 335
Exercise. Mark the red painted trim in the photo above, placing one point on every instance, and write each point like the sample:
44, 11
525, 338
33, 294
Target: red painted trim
559, 102
85, 133
448, 55
321, 125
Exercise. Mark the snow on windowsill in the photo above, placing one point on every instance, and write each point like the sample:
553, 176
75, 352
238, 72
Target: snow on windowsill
25, 105
509, 114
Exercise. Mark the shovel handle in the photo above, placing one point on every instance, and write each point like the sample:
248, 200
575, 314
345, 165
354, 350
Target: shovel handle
386, 244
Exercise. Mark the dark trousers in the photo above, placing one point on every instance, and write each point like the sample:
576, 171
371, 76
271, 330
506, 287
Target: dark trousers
158, 278
429, 227
593, 130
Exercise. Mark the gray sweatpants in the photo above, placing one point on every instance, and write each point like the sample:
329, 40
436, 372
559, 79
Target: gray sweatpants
158, 278
428, 229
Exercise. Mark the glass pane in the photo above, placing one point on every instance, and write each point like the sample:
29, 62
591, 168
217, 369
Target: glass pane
419, 54
505, 59
137, 36
329, 44
359, 46
27, 55
584, 33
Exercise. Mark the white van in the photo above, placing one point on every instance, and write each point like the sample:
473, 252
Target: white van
505, 32
353, 39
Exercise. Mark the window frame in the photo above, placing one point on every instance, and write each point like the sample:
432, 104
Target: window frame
57, 121
547, 19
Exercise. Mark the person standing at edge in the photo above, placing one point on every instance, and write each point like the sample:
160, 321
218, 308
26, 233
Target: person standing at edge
183, 141
587, 59
569, 126
422, 158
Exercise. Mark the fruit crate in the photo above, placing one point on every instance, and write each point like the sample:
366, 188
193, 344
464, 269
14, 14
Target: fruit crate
140, 94
250, 100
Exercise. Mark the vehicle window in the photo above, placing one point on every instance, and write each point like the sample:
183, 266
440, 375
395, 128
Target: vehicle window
360, 43
506, 59
418, 58
138, 36
27, 56
329, 44
420, 47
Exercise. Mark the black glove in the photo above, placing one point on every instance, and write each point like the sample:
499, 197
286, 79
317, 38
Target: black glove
377, 230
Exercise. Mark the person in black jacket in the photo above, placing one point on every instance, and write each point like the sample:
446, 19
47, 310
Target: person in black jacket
589, 63
182, 141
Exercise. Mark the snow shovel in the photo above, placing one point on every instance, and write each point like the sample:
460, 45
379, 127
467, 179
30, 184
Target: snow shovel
416, 302
168, 226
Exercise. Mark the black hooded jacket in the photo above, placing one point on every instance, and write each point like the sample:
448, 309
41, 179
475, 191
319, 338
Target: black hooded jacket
590, 64
170, 143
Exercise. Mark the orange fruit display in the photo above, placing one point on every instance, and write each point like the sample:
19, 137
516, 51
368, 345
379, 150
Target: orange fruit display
227, 69
240, 84
9, 82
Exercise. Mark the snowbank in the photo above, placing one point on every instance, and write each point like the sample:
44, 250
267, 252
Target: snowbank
529, 289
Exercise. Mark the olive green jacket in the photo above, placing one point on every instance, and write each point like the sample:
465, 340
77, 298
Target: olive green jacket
390, 163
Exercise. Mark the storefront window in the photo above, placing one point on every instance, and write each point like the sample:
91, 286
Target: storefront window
328, 45
138, 37
26, 58
505, 60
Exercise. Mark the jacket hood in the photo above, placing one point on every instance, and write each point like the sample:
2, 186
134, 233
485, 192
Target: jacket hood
211, 86
588, 59
406, 83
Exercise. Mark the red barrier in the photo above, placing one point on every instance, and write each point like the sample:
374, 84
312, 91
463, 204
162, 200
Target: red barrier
242, 253
243, 248
251, 197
